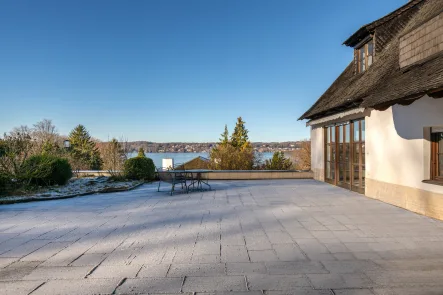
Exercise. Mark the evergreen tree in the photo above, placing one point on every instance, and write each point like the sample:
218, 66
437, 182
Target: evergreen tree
236, 153
224, 140
278, 162
239, 138
83, 149
141, 153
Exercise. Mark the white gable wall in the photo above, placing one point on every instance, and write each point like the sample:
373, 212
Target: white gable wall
398, 146
317, 153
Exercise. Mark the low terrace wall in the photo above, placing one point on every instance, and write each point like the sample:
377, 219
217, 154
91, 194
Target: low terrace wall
257, 174
233, 174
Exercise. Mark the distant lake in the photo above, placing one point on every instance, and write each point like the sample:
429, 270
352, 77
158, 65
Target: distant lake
180, 158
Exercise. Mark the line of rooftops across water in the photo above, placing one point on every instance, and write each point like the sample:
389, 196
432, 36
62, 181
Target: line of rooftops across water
180, 158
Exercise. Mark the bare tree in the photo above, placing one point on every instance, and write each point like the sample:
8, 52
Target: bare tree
44, 131
302, 156
46, 138
16, 148
113, 155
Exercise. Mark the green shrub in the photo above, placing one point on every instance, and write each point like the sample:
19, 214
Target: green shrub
278, 162
140, 168
46, 170
5, 184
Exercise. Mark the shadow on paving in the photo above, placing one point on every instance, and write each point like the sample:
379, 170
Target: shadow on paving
296, 236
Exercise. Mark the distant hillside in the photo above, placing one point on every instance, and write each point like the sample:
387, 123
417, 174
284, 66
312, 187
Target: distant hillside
199, 147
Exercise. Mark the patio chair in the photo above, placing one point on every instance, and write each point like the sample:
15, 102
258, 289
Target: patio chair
173, 178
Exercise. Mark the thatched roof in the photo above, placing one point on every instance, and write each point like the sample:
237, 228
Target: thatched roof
384, 83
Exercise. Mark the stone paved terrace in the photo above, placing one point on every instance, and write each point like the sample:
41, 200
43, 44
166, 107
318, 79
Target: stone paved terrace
249, 237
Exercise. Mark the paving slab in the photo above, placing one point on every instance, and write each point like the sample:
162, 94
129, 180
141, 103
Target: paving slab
296, 267
19, 287
197, 270
4, 262
154, 271
271, 236
58, 273
89, 259
78, 287
121, 271
17, 270
276, 282
245, 268
299, 291
212, 284
150, 285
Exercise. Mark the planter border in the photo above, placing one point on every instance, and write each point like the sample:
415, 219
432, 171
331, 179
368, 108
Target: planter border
34, 199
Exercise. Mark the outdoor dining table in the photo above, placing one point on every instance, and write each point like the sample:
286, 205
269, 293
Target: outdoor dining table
195, 177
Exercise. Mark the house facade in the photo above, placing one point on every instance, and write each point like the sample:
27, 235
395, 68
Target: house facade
378, 129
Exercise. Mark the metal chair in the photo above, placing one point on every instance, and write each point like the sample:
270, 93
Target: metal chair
173, 178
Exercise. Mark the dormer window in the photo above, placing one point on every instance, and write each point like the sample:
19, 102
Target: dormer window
365, 56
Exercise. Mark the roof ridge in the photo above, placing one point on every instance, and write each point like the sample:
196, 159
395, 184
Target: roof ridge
382, 20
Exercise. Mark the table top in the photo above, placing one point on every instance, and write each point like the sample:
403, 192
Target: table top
189, 171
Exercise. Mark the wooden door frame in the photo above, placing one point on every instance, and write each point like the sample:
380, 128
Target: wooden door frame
351, 164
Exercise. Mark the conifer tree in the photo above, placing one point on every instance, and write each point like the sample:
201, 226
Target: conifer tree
236, 153
239, 138
224, 140
83, 148
141, 153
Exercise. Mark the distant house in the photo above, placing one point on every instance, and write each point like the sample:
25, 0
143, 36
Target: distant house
196, 163
378, 129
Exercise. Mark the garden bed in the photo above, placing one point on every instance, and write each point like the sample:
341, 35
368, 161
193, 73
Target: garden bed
75, 187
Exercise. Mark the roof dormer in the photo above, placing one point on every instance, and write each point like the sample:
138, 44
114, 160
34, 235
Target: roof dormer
364, 54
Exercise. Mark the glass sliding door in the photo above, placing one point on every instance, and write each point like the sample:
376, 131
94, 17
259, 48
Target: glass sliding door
358, 156
437, 156
330, 155
345, 155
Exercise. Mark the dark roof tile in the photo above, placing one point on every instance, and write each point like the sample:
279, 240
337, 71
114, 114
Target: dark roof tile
384, 82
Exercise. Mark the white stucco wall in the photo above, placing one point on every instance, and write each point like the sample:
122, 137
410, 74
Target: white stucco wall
317, 152
397, 143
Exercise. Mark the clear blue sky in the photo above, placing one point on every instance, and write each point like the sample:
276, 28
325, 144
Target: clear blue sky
174, 70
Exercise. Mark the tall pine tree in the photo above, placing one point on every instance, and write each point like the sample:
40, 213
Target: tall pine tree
239, 138
224, 140
83, 149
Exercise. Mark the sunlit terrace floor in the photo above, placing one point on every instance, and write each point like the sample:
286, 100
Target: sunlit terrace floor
276, 237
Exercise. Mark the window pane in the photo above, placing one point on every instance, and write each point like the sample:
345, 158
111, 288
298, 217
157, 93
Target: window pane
356, 153
363, 130
340, 133
332, 134
348, 173
328, 152
363, 176
333, 152
328, 171
341, 173
440, 156
328, 135
340, 152
370, 52
347, 133
332, 165
347, 152
356, 131
440, 163
362, 59
370, 48
356, 178
363, 153
370, 60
